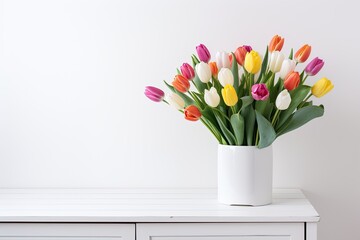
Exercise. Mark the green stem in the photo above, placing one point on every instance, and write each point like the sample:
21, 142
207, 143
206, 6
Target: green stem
233, 109
211, 130
222, 114
257, 138
307, 98
302, 82
275, 117
208, 85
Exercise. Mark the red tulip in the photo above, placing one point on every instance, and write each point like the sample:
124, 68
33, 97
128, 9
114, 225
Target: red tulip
240, 54
292, 80
181, 84
192, 113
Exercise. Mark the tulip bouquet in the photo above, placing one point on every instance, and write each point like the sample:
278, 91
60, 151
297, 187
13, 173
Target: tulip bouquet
244, 99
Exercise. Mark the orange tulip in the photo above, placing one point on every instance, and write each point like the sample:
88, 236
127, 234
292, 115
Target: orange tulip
192, 113
213, 68
292, 80
303, 53
181, 84
276, 43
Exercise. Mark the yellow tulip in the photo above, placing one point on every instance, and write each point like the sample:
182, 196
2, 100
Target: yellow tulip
322, 87
252, 62
229, 95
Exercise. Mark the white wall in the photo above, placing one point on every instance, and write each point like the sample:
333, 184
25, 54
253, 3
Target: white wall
73, 113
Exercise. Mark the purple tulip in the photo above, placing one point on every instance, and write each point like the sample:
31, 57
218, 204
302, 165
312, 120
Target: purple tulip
203, 53
247, 48
260, 92
154, 94
314, 66
187, 71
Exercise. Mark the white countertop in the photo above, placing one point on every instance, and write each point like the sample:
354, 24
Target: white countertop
146, 205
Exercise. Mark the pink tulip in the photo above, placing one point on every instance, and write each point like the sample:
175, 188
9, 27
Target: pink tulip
314, 66
203, 53
154, 94
260, 92
187, 71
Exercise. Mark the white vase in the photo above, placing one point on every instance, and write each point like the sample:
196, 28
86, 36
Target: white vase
245, 175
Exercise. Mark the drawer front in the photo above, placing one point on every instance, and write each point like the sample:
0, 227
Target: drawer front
220, 231
68, 231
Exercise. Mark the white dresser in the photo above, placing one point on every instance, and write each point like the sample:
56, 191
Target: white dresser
150, 214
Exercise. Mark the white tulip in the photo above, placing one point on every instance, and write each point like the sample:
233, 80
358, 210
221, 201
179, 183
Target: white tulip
203, 71
276, 60
175, 101
287, 66
222, 60
283, 100
212, 97
225, 77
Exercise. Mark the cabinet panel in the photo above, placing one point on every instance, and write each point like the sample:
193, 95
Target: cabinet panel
220, 231
71, 231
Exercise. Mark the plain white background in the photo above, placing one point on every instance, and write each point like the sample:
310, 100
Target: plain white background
73, 112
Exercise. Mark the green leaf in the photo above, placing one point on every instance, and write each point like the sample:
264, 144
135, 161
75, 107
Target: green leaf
195, 59
249, 118
264, 65
237, 123
187, 99
230, 138
291, 54
208, 114
266, 131
235, 72
260, 106
246, 101
301, 117
297, 96
178, 71
200, 86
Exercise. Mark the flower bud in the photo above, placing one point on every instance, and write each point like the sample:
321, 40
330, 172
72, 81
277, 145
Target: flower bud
192, 113
322, 87
292, 81
314, 66
154, 94
212, 97
181, 84
203, 71
187, 71
240, 54
260, 92
287, 66
222, 60
229, 95
203, 53
283, 100
252, 62
276, 60
276, 43
175, 101
225, 77
303, 53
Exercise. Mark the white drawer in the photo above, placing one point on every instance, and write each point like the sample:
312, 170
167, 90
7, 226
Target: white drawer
220, 231
66, 231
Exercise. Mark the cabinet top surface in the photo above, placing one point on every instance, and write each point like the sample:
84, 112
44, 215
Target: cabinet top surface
146, 205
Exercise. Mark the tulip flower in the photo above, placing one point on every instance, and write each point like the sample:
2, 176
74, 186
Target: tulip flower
225, 77
260, 92
292, 81
203, 71
222, 60
287, 66
252, 62
175, 101
213, 68
203, 53
276, 43
229, 95
276, 60
240, 54
283, 100
187, 71
322, 87
211, 97
181, 84
303, 53
154, 94
314, 66
192, 113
